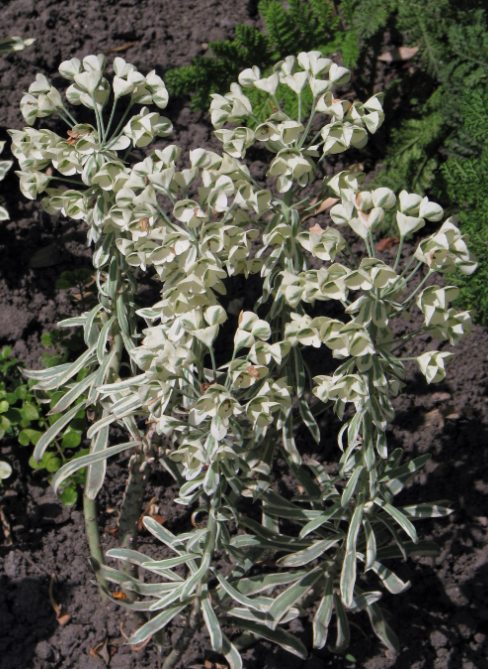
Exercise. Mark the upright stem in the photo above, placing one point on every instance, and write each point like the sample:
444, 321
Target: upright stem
92, 531
131, 506
183, 642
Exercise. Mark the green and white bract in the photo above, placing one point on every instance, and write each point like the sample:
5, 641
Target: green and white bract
219, 429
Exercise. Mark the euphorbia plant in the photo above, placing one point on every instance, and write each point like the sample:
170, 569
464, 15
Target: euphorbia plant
222, 427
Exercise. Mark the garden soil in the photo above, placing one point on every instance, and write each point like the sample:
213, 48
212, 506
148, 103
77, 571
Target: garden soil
442, 621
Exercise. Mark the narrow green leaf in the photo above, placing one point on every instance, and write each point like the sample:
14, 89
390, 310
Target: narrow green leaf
231, 653
211, 622
89, 325
168, 563
343, 631
308, 554
309, 419
263, 582
96, 472
391, 581
83, 361
370, 544
286, 640
348, 573
78, 463
135, 557
323, 615
422, 549
351, 486
289, 441
399, 518
45, 374
53, 431
72, 395
164, 535
100, 425
382, 630
292, 595
236, 595
155, 624
103, 338
433, 510
322, 518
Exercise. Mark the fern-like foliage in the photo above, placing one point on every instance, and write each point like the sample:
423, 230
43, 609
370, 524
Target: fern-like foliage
207, 75
425, 105
302, 26
467, 183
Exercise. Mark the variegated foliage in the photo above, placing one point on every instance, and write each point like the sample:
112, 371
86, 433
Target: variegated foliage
221, 428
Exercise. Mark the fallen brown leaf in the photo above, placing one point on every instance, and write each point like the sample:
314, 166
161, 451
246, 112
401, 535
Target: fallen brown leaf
64, 619
440, 397
6, 528
402, 53
119, 595
326, 204
102, 651
387, 243
316, 229
93, 653
123, 47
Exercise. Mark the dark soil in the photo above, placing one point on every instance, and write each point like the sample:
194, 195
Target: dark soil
442, 621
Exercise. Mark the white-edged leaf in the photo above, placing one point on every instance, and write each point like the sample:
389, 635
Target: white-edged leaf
323, 615
211, 622
78, 463
155, 624
95, 474
308, 554
72, 395
54, 430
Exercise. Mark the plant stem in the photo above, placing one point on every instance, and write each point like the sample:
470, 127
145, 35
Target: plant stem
109, 124
183, 642
131, 507
397, 260
92, 531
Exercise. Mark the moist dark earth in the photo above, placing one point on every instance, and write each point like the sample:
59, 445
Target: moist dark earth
442, 621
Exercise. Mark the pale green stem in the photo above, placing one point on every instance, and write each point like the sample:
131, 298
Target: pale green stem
92, 531
419, 287
111, 118
98, 119
407, 267
214, 366
400, 247
131, 507
414, 272
276, 101
63, 118
115, 136
67, 181
70, 116
167, 219
312, 143
307, 129
371, 242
